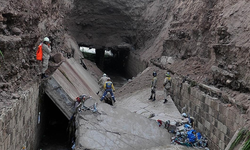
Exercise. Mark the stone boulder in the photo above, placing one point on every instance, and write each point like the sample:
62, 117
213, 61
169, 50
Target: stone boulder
16, 31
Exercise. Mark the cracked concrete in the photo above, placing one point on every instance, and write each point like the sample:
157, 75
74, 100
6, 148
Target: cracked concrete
117, 128
138, 102
126, 124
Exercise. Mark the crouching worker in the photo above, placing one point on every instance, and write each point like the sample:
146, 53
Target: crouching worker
79, 104
108, 87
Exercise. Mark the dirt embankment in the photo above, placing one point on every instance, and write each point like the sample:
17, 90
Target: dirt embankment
23, 25
200, 36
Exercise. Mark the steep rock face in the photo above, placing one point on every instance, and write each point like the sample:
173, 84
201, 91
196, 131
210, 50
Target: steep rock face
198, 35
104, 23
23, 25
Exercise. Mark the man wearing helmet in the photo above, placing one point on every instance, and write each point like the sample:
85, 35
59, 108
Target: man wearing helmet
46, 48
101, 82
153, 86
167, 85
108, 87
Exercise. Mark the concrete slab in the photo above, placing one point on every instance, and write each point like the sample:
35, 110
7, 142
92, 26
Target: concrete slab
67, 82
117, 129
138, 102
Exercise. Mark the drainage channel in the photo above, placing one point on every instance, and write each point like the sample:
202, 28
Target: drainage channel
54, 127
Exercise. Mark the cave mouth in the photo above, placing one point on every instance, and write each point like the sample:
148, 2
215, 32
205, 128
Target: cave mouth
54, 126
110, 61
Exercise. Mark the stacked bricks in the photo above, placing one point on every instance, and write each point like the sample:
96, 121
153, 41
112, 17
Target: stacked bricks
213, 118
18, 123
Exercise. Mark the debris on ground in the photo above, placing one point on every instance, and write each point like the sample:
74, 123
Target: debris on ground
85, 102
184, 133
151, 115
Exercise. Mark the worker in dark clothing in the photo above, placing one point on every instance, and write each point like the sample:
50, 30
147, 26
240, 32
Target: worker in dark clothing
108, 87
153, 87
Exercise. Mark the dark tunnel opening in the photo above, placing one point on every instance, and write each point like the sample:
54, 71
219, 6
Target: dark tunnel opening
55, 135
113, 65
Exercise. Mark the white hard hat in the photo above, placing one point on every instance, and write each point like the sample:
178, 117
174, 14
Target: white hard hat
104, 75
46, 39
184, 115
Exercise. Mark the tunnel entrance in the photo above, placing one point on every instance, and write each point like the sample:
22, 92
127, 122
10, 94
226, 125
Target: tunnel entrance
110, 61
54, 126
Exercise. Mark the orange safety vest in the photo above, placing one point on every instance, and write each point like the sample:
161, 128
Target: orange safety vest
39, 53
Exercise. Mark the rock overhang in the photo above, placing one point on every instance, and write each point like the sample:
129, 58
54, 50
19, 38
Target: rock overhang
103, 23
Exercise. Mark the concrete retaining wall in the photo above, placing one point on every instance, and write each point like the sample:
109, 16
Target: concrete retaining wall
134, 65
214, 118
18, 124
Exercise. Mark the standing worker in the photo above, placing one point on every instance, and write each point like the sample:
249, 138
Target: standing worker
153, 86
46, 49
101, 82
167, 85
108, 87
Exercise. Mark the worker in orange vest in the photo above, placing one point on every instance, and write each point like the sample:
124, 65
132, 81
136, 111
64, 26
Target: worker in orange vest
46, 49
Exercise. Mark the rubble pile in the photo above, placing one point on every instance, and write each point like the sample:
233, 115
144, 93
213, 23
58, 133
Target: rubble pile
184, 133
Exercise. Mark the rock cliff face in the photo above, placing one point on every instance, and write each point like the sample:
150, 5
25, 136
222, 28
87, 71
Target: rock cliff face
23, 25
104, 23
199, 36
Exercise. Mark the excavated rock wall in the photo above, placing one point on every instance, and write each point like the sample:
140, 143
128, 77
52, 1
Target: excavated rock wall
23, 25
199, 35
104, 23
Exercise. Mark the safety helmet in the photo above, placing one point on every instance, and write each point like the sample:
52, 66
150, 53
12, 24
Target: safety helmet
78, 99
167, 74
46, 39
154, 74
108, 79
104, 75
184, 115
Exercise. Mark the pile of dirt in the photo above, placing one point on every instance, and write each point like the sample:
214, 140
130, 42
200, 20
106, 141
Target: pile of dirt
142, 80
